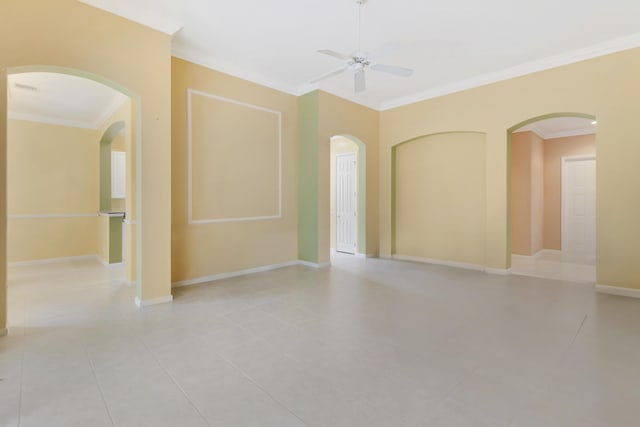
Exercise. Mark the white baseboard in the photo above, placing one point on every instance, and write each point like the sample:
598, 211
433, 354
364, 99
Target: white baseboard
498, 271
464, 265
3, 332
313, 264
53, 260
110, 265
230, 274
146, 303
615, 290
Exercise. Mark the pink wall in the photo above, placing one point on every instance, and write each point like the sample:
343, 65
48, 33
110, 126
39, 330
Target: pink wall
527, 193
554, 150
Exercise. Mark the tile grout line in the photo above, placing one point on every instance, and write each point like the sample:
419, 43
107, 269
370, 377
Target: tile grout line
254, 382
175, 382
95, 376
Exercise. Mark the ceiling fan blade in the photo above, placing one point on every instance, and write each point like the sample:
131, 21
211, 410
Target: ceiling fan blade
392, 69
334, 54
359, 80
327, 75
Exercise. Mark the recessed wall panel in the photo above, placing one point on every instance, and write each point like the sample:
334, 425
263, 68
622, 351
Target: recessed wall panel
235, 160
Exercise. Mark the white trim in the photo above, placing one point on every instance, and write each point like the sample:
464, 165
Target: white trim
53, 260
48, 216
498, 271
465, 265
112, 214
568, 133
129, 221
146, 303
564, 188
110, 265
144, 16
616, 290
278, 114
313, 264
593, 51
4, 332
231, 274
196, 57
38, 118
555, 135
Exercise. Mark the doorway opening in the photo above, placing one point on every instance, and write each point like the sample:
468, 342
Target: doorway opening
65, 228
347, 196
552, 197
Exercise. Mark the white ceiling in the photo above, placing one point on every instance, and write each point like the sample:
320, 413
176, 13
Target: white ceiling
61, 99
560, 127
451, 45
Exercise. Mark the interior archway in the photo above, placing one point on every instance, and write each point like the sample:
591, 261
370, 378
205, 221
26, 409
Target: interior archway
109, 134
538, 151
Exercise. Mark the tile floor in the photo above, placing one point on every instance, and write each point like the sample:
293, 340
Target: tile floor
550, 264
362, 343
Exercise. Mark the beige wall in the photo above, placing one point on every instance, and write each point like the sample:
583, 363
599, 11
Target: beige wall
527, 193
205, 249
88, 41
339, 145
341, 117
440, 198
607, 87
554, 150
51, 170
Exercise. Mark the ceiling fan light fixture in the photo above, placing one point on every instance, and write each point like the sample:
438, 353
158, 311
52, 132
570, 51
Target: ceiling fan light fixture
359, 60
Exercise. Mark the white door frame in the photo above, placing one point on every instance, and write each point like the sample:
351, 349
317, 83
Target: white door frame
565, 185
354, 155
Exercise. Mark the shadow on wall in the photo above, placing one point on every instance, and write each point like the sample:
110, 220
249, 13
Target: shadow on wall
438, 199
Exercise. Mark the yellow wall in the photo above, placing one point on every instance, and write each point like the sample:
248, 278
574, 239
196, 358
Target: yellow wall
91, 42
554, 150
440, 198
527, 193
341, 117
607, 87
51, 170
206, 249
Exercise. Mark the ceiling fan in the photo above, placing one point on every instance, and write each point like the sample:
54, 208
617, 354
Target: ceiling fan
358, 61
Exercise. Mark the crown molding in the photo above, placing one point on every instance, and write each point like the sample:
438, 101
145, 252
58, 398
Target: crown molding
50, 120
593, 51
196, 57
568, 133
136, 14
554, 135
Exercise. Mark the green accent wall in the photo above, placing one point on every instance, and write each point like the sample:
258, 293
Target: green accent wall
115, 239
308, 184
105, 176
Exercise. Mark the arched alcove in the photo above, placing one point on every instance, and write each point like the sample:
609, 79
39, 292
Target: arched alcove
438, 199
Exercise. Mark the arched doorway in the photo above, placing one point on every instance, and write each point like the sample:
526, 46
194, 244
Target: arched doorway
135, 138
552, 191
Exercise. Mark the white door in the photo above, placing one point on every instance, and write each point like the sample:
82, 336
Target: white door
579, 206
346, 203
